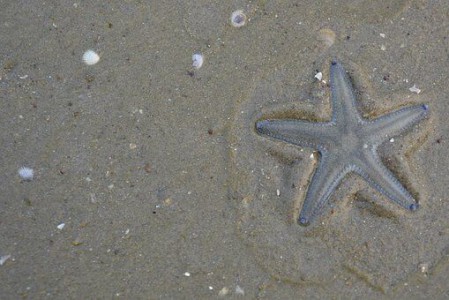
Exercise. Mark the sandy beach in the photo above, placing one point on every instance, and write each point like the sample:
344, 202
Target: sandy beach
147, 179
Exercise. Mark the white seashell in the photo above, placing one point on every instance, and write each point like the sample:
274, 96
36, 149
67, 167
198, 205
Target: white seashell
26, 173
4, 258
197, 60
90, 57
327, 36
414, 89
238, 18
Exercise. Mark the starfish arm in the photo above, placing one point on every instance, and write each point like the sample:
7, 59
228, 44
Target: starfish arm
344, 109
378, 176
394, 123
325, 180
297, 132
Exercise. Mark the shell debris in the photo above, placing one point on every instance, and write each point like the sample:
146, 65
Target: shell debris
327, 36
238, 18
4, 258
197, 60
239, 290
414, 89
26, 173
90, 57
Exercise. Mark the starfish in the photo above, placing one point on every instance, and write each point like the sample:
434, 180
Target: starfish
347, 143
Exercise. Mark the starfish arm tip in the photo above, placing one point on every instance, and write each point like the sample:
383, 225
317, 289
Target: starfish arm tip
260, 126
304, 221
414, 207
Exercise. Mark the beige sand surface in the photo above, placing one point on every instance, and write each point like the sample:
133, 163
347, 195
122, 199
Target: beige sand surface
155, 168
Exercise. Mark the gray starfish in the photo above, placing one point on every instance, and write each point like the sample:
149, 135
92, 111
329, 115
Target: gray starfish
347, 143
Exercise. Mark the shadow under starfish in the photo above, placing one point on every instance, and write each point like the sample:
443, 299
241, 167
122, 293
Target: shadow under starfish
347, 143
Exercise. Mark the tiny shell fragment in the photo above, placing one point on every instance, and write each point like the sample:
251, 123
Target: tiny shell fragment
90, 57
414, 89
4, 258
223, 292
238, 18
197, 60
26, 173
327, 36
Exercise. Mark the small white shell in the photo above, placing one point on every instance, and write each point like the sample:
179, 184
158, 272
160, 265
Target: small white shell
26, 173
238, 18
197, 60
414, 89
4, 258
327, 36
90, 57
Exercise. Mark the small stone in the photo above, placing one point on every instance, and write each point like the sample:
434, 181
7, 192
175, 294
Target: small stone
423, 267
76, 242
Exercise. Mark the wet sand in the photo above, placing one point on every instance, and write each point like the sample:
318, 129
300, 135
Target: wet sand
165, 190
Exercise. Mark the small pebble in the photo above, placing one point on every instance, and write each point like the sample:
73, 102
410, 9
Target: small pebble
423, 267
187, 274
238, 18
77, 242
90, 57
26, 173
197, 60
